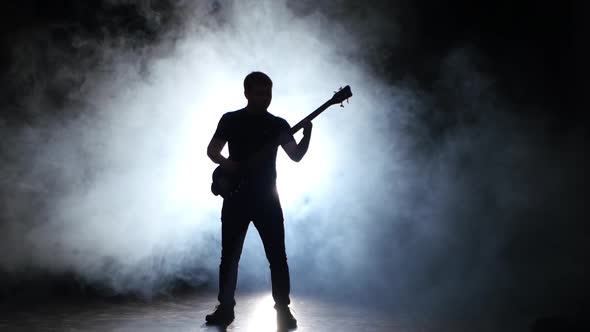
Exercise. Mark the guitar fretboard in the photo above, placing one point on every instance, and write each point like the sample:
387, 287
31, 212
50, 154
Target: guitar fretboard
310, 117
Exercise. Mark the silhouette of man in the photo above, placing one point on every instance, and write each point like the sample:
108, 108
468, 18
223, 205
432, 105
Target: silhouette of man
246, 131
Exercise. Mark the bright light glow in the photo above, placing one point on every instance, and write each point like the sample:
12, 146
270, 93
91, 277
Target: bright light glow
297, 180
147, 194
264, 316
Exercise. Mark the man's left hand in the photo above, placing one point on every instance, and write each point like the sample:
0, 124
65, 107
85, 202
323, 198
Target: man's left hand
307, 129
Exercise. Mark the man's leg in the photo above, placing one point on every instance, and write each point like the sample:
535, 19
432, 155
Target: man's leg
272, 233
233, 232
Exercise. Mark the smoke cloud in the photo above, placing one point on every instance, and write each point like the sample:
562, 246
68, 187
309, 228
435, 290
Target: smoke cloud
408, 195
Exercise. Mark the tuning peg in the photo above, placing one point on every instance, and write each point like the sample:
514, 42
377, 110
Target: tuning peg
343, 102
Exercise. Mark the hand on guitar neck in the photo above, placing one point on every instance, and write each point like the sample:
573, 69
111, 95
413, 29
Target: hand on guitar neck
307, 129
296, 151
306, 132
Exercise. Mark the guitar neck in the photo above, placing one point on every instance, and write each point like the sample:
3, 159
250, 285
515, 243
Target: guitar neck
310, 117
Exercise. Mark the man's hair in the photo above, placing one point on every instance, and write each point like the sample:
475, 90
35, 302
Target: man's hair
256, 78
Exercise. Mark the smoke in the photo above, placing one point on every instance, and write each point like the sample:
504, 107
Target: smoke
408, 195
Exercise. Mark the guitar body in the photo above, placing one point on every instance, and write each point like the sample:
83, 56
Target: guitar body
225, 184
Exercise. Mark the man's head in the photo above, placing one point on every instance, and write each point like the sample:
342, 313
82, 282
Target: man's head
258, 90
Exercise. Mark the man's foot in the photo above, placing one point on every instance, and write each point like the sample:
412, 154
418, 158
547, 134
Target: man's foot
223, 316
285, 319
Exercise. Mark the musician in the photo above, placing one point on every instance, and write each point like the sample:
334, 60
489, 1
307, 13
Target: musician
246, 131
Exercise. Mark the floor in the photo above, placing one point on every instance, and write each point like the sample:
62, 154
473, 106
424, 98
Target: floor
254, 312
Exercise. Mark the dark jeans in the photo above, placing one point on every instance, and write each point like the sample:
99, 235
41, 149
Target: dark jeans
264, 210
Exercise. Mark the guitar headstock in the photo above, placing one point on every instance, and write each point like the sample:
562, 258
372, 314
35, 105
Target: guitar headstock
341, 95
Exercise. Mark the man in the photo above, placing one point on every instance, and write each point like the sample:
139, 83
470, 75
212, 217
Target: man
246, 131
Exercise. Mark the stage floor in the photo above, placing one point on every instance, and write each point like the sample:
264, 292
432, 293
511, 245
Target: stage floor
254, 312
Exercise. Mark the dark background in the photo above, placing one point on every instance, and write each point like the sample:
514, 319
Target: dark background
535, 47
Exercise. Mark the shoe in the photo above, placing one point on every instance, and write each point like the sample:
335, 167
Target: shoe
223, 316
285, 319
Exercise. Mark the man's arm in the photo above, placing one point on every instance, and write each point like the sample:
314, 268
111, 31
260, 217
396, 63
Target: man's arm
297, 151
214, 153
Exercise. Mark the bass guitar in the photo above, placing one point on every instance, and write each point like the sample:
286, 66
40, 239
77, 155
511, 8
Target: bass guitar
227, 184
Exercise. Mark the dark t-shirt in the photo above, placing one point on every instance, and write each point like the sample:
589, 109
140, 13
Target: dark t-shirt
247, 133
